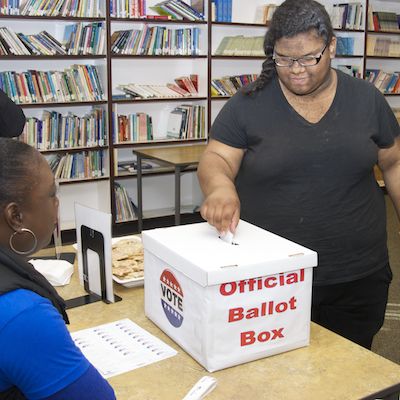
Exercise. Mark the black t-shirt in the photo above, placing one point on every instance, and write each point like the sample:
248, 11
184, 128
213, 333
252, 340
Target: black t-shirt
314, 183
12, 118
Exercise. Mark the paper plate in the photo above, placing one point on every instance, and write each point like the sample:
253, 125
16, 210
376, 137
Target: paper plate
132, 282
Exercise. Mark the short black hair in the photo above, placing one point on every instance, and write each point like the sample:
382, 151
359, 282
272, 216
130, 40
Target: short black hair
17, 161
291, 18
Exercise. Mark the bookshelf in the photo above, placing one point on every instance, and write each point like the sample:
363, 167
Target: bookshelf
120, 68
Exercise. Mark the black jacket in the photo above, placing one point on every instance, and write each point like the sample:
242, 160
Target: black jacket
12, 118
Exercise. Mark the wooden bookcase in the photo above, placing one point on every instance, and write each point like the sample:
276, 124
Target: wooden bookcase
117, 69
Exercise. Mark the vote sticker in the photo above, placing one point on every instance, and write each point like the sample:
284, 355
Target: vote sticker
171, 298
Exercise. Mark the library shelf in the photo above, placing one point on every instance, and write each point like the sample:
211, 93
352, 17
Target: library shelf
158, 99
158, 21
82, 180
73, 149
54, 57
115, 55
166, 142
61, 104
51, 17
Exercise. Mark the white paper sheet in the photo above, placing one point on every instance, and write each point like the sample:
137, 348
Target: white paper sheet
120, 346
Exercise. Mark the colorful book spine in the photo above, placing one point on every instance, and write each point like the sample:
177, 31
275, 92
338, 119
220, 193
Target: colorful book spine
77, 83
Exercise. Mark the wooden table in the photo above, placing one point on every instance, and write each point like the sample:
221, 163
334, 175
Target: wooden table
178, 157
331, 368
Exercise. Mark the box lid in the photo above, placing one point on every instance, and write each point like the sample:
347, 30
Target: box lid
196, 251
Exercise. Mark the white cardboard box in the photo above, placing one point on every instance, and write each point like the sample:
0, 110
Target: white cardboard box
228, 304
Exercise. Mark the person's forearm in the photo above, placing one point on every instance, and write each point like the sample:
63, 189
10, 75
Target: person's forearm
214, 172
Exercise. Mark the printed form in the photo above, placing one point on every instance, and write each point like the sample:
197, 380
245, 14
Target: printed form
120, 346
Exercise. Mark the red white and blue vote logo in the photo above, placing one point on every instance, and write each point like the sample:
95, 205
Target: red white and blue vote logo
171, 298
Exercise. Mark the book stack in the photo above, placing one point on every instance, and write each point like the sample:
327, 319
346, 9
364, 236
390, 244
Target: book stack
384, 21
241, 46
57, 131
20, 44
125, 208
229, 85
386, 82
186, 122
9, 7
63, 8
127, 8
344, 46
221, 10
156, 40
184, 86
132, 128
81, 39
177, 9
383, 47
347, 16
77, 83
264, 13
352, 70
86, 164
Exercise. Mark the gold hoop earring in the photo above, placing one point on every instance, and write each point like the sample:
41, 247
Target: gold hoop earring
35, 242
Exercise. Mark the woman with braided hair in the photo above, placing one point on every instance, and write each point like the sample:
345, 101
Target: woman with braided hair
294, 154
38, 359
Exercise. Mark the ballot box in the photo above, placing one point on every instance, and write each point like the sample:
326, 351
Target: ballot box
227, 303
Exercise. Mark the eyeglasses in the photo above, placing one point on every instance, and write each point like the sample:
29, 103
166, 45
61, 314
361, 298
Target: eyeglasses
305, 61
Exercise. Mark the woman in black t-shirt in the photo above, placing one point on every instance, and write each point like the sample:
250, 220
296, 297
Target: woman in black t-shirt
294, 153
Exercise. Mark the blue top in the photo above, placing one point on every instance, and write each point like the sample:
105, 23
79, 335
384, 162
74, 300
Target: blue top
37, 352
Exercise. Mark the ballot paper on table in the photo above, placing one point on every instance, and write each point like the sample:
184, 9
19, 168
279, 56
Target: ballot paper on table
120, 346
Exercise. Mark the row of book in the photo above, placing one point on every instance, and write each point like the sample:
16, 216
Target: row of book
344, 46
127, 8
9, 7
184, 86
347, 16
386, 82
383, 21
41, 43
85, 39
186, 122
63, 8
177, 9
124, 206
56, 131
79, 39
156, 40
77, 83
229, 85
82, 165
137, 127
221, 10
241, 46
383, 47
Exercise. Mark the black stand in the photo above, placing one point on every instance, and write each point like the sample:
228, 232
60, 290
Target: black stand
94, 241
88, 299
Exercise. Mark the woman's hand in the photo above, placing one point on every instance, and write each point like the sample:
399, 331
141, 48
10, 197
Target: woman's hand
221, 208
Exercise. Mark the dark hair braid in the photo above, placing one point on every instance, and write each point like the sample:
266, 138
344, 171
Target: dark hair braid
291, 18
17, 161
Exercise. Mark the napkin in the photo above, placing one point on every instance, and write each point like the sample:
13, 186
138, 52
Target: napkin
57, 272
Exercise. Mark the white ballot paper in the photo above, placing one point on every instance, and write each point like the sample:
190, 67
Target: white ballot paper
120, 346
